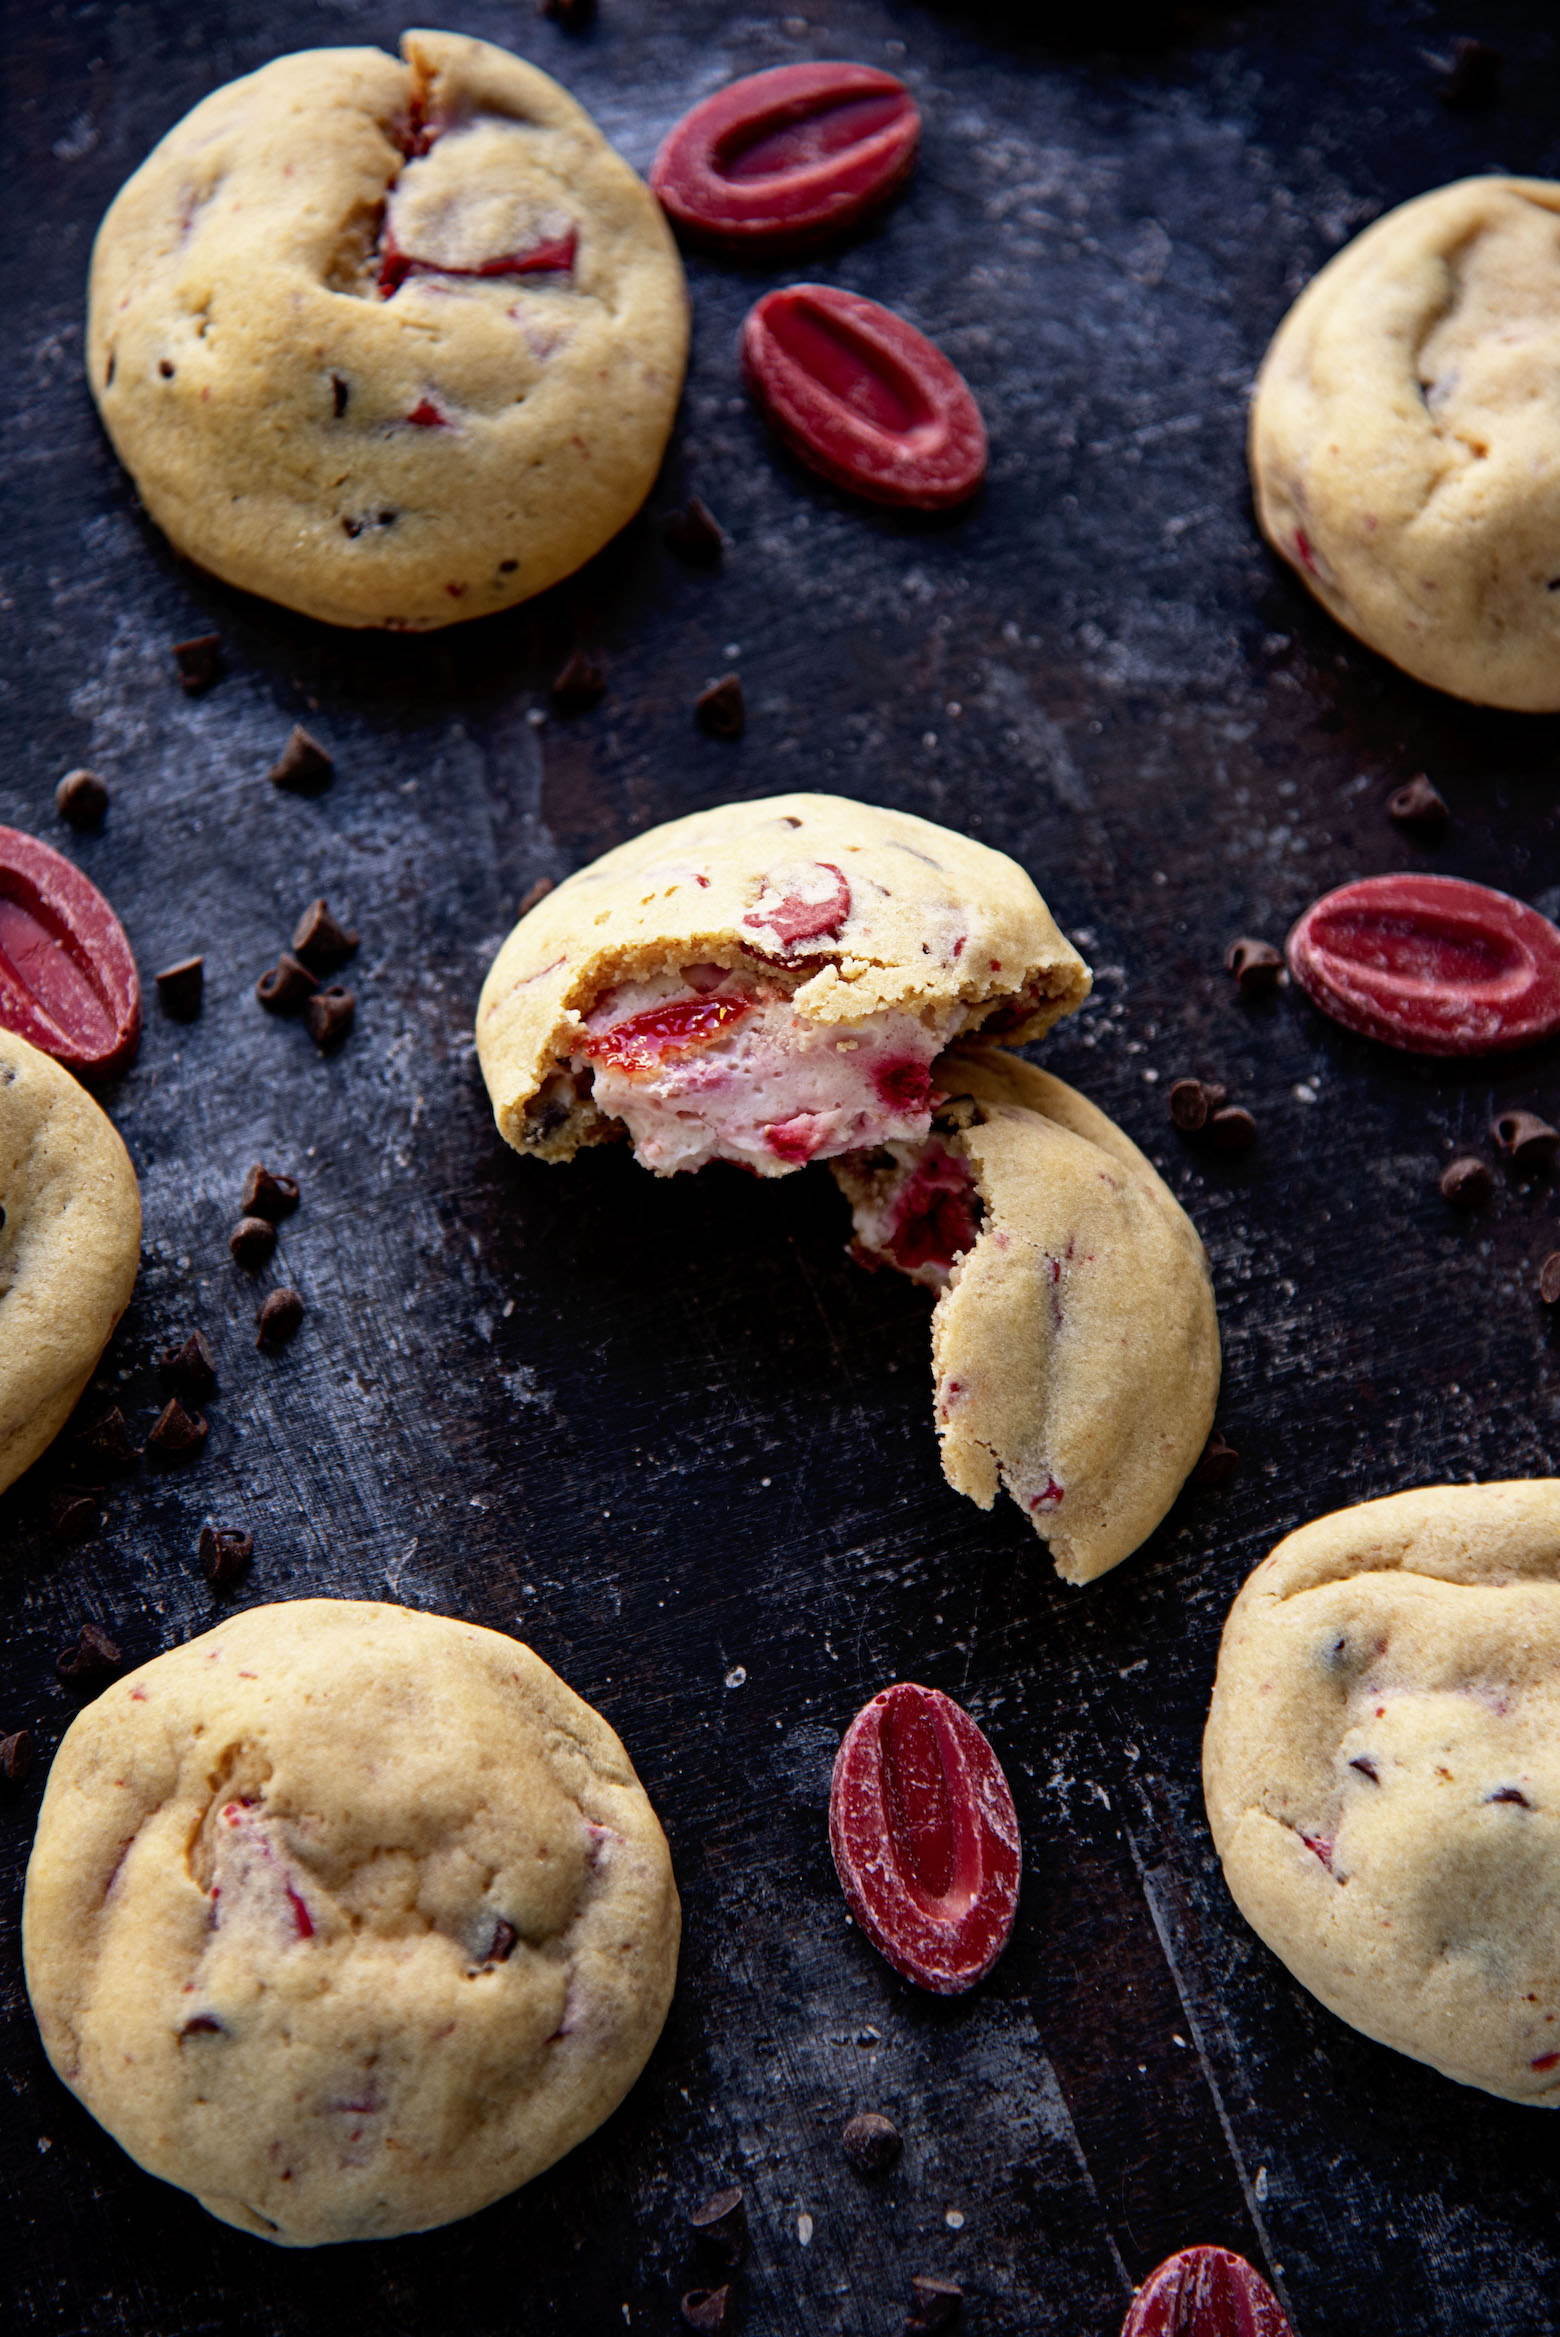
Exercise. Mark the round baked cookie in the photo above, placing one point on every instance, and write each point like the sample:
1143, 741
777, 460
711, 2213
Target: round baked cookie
391, 343
347, 1918
1405, 439
1075, 1343
768, 983
70, 1242
1382, 1773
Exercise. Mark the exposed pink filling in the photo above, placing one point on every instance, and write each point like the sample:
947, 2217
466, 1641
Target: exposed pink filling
461, 207
249, 1879
921, 1215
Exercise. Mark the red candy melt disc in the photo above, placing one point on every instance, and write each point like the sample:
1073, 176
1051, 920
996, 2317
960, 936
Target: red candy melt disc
1205, 2292
925, 1837
863, 397
1431, 964
789, 156
68, 982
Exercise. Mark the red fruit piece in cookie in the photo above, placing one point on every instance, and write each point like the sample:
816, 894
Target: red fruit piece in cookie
801, 904
68, 980
1205, 2292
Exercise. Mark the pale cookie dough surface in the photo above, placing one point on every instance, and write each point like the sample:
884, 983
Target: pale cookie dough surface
1382, 1773
1405, 439
814, 954
312, 349
70, 1242
347, 1918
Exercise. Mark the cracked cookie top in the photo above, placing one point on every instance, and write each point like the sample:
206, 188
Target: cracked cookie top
393, 343
1405, 439
347, 1918
1382, 1773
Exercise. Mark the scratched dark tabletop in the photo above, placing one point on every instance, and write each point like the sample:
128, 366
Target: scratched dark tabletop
665, 1431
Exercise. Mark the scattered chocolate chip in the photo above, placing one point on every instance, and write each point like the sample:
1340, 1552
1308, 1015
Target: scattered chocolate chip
1217, 1466
81, 799
16, 1752
192, 1367
872, 2142
505, 1940
108, 1440
279, 1318
1256, 965
570, 15
330, 1015
1510, 1793
251, 1241
722, 710
1232, 1130
1525, 1139
537, 892
224, 1553
1549, 1279
1366, 1767
199, 662
1421, 808
181, 988
305, 768
1472, 76
321, 942
936, 2305
266, 1195
706, 2308
177, 1433
93, 1657
72, 1516
581, 683
694, 534
1193, 1103
1467, 1182
721, 2224
288, 986
339, 394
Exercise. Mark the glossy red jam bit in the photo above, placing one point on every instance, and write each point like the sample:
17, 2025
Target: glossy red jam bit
68, 980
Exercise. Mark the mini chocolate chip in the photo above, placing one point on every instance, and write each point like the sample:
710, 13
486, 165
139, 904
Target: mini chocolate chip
1472, 76
580, 683
181, 988
279, 1318
1509, 1793
270, 1196
81, 799
330, 1015
339, 394
93, 1657
937, 2303
570, 15
165, 367
721, 709
1366, 1767
1193, 1103
1525, 1138
872, 2142
251, 1241
1256, 965
177, 1433
694, 534
305, 768
202, 2024
505, 1940
321, 942
16, 1752
1216, 1467
108, 1440
224, 1553
199, 662
706, 2308
1232, 1130
537, 892
721, 2223
1549, 1279
288, 986
1467, 1181
192, 1367
73, 1516
1421, 808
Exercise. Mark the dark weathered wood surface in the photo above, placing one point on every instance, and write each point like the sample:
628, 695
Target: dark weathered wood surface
665, 1431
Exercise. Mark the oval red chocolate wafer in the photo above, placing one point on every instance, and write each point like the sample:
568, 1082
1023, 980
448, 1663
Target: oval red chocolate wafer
1432, 964
863, 398
68, 982
789, 156
1205, 2292
925, 1837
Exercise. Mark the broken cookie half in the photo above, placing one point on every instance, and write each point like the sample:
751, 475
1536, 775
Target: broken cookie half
1075, 1345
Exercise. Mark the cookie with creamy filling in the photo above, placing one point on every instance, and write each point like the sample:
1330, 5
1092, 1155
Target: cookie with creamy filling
1405, 439
347, 1918
766, 983
70, 1242
1382, 1773
1075, 1344
392, 341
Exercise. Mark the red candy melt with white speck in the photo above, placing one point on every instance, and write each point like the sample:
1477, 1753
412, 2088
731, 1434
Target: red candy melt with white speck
1205, 2292
1431, 964
68, 980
